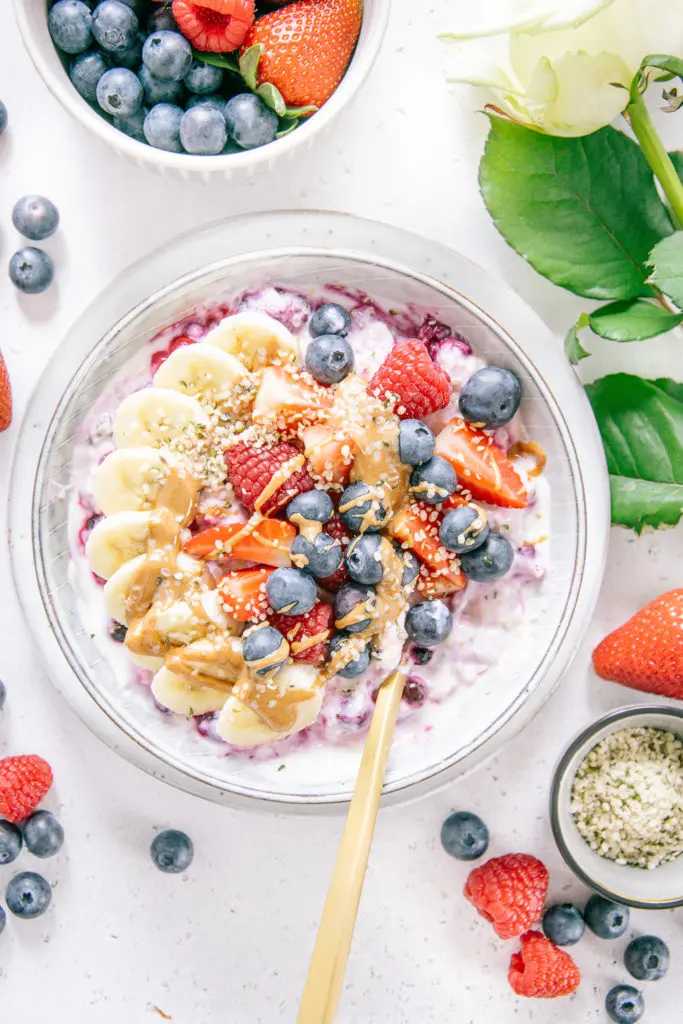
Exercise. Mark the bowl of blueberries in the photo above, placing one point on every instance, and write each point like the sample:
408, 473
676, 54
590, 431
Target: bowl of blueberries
214, 88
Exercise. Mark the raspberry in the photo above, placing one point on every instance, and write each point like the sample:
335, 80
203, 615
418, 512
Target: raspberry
24, 781
299, 627
509, 892
541, 970
218, 26
336, 529
162, 354
251, 469
411, 381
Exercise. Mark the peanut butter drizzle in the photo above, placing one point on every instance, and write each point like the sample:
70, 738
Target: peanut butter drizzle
308, 528
272, 700
214, 661
529, 448
280, 477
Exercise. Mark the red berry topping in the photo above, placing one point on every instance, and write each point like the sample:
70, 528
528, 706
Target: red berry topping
541, 970
162, 355
5, 397
24, 781
216, 26
300, 629
251, 470
411, 382
335, 527
509, 892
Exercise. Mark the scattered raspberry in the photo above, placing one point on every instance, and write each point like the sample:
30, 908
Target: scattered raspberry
541, 970
298, 628
335, 527
162, 355
509, 892
411, 381
24, 781
5, 397
251, 469
216, 26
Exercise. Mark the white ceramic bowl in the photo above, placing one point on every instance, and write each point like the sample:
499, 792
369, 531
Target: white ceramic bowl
302, 250
32, 19
658, 889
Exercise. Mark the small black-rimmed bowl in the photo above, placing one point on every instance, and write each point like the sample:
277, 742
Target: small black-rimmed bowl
657, 889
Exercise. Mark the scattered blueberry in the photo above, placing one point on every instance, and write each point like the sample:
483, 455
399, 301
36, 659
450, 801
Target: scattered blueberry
262, 642
321, 558
86, 71
607, 919
28, 894
366, 516
250, 122
347, 601
647, 958
3, 117
172, 851
31, 270
3, 694
156, 90
434, 481
315, 506
114, 26
43, 834
360, 664
203, 131
203, 78
119, 92
329, 358
69, 23
411, 566
131, 57
415, 442
624, 1004
491, 396
464, 528
464, 836
563, 924
35, 217
168, 55
10, 842
3, 920
291, 591
490, 561
133, 125
363, 560
215, 103
421, 655
162, 127
413, 692
429, 623
117, 631
329, 319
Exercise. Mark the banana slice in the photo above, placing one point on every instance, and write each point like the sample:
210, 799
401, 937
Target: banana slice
255, 338
129, 480
156, 416
117, 587
200, 370
178, 695
146, 661
115, 540
240, 726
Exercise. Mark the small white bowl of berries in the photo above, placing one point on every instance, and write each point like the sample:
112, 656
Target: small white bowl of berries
215, 87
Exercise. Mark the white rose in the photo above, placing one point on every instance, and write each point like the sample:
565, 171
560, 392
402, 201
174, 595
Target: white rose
563, 66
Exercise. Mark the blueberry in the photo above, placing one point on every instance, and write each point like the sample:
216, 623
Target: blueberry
119, 92
320, 557
329, 358
291, 591
608, 920
130, 57
434, 481
70, 25
415, 442
86, 71
312, 506
133, 125
263, 642
354, 605
3, 694
249, 120
464, 528
563, 924
329, 319
162, 127
3, 920
215, 103
363, 560
117, 631
464, 836
411, 566
359, 664
647, 958
31, 270
413, 692
203, 78
162, 20
114, 26
491, 396
362, 508
172, 851
167, 55
203, 131
156, 90
10, 842
624, 1004
43, 834
3, 117
35, 217
490, 561
421, 655
429, 623
28, 894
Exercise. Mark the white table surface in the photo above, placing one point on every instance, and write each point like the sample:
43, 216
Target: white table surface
229, 942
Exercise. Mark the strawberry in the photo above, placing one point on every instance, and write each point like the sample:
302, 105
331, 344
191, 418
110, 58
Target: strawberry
215, 26
243, 594
306, 48
267, 543
289, 396
418, 527
336, 528
24, 781
413, 384
481, 467
5, 397
300, 629
646, 653
509, 892
541, 970
251, 471
440, 582
330, 454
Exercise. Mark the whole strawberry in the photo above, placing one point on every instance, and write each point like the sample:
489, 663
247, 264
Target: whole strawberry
24, 781
5, 397
509, 892
307, 47
646, 653
541, 970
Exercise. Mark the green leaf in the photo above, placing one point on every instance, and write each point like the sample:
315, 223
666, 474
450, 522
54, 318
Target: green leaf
573, 349
584, 211
249, 65
272, 97
217, 60
641, 423
632, 320
302, 111
287, 125
677, 161
665, 62
667, 261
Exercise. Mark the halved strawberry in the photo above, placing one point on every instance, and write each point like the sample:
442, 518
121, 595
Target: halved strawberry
330, 454
243, 594
453, 501
439, 583
481, 467
418, 527
267, 543
289, 396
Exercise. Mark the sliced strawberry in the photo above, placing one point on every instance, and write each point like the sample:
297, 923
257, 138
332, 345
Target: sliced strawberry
267, 543
439, 583
481, 467
418, 527
329, 453
287, 396
243, 594
453, 501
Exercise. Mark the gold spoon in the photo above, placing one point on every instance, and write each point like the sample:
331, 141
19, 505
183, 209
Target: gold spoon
328, 964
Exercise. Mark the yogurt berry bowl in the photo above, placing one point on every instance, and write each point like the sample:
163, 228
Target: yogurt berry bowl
629, 804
